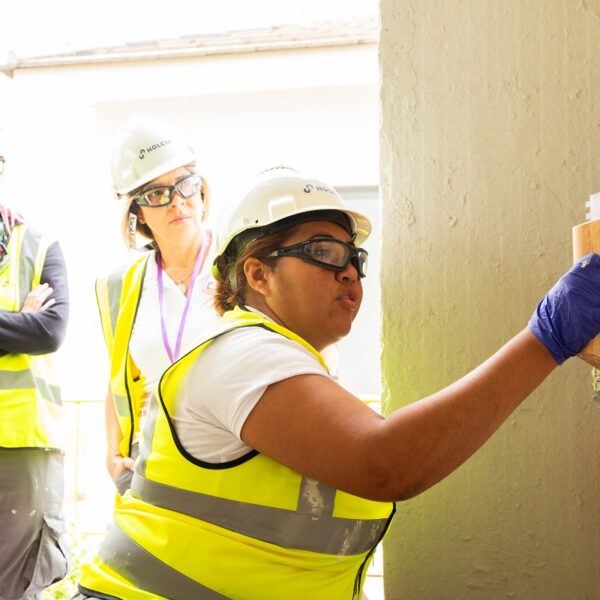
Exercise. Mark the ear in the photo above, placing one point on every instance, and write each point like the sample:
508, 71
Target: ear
258, 276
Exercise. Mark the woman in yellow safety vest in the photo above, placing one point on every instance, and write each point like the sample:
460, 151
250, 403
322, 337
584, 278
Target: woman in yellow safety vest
153, 308
259, 477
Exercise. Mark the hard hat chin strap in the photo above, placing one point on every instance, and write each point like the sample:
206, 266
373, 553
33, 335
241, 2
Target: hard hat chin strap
131, 230
232, 276
132, 235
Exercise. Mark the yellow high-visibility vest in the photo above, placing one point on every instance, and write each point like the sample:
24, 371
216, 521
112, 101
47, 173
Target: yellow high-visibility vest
118, 297
247, 529
31, 413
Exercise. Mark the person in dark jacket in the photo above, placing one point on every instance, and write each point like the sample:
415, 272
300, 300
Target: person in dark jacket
34, 310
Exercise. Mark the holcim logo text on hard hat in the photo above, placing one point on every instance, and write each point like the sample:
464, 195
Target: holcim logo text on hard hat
145, 151
309, 187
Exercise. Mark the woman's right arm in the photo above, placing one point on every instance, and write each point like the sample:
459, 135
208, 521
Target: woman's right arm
116, 463
317, 428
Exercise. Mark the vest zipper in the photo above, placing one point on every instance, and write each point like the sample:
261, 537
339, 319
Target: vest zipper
356, 592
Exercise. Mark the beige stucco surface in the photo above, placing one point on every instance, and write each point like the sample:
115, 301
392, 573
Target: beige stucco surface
490, 145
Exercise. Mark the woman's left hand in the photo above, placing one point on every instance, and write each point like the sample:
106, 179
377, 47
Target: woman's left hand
38, 299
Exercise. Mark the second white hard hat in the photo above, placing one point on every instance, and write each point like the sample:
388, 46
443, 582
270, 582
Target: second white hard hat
281, 193
145, 148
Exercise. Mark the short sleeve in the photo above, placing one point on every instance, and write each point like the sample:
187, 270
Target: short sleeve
225, 384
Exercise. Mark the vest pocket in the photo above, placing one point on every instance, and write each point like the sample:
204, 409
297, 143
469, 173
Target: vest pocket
53, 558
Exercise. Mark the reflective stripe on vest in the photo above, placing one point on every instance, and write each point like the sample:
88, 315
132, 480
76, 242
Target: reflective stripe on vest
118, 297
115, 289
27, 252
312, 527
285, 535
29, 392
147, 572
25, 379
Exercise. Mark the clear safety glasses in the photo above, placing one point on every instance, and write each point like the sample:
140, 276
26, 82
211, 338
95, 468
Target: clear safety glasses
1, 165
328, 253
162, 195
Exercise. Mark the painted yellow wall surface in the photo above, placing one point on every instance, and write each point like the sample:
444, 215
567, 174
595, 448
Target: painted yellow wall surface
490, 146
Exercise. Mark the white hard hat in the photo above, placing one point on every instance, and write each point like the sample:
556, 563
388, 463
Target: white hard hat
281, 193
144, 149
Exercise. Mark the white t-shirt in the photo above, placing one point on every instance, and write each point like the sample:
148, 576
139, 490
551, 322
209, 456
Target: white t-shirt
146, 345
225, 384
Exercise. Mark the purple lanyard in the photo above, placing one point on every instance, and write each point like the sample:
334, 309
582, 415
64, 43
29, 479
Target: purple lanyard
186, 308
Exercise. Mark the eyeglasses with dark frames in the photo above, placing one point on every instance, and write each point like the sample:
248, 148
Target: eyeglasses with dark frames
327, 253
162, 195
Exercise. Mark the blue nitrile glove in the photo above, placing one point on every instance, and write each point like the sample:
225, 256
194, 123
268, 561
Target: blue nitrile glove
568, 317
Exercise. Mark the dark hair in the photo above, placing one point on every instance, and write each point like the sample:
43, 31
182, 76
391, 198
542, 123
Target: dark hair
232, 289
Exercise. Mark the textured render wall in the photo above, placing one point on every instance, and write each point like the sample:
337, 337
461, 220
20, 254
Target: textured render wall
490, 145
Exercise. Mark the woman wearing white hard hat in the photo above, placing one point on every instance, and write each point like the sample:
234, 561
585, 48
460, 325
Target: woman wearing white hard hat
152, 308
259, 476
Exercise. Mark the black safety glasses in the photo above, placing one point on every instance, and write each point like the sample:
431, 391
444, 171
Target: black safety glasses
162, 195
328, 253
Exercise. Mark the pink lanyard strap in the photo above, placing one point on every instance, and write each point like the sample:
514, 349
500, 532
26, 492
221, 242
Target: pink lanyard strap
186, 308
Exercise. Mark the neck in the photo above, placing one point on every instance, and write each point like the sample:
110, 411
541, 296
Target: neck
178, 257
258, 302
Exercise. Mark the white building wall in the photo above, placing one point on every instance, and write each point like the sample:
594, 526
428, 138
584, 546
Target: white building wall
314, 109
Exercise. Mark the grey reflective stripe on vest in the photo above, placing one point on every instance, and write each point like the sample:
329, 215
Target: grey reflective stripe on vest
114, 285
25, 380
30, 244
147, 436
325, 534
147, 572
